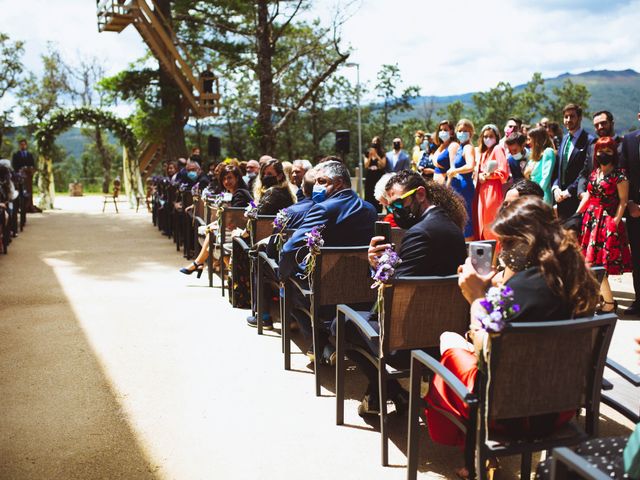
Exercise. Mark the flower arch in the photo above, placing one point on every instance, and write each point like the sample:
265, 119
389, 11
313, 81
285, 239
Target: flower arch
48, 131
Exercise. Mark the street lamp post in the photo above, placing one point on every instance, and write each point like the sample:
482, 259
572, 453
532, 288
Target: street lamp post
360, 165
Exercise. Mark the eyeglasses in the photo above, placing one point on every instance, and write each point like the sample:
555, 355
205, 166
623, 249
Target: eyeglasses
398, 203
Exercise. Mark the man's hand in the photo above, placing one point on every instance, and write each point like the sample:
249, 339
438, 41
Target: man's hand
472, 284
560, 195
376, 249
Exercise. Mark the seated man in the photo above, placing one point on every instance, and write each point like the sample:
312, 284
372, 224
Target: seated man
347, 219
298, 171
434, 244
297, 212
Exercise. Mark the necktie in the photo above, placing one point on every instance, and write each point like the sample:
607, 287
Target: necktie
24, 154
565, 157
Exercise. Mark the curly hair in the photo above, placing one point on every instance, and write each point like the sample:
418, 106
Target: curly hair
554, 250
450, 201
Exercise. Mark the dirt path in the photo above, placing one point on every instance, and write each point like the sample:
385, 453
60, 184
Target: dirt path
113, 365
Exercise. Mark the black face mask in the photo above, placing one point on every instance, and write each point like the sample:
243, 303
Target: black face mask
269, 181
396, 145
605, 159
405, 217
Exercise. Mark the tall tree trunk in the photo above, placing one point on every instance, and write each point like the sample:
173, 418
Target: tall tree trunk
106, 160
172, 102
265, 75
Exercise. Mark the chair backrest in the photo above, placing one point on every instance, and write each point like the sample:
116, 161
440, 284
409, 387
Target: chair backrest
198, 209
262, 227
599, 272
546, 367
232, 217
397, 236
417, 310
342, 275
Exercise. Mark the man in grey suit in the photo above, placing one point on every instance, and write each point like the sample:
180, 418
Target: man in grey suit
630, 162
397, 159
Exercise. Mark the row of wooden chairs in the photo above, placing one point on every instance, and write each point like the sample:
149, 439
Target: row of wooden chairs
17, 216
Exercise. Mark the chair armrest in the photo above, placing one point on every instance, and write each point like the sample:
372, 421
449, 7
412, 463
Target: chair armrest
270, 262
306, 292
241, 243
625, 373
358, 320
574, 462
449, 378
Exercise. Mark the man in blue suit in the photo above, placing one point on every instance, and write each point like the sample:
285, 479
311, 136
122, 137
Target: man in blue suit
630, 161
572, 158
397, 159
347, 219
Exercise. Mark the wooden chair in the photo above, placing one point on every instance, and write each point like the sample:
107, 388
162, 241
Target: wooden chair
259, 229
211, 215
231, 217
417, 310
113, 197
532, 369
568, 465
341, 275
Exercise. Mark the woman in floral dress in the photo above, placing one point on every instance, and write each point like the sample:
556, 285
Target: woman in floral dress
604, 238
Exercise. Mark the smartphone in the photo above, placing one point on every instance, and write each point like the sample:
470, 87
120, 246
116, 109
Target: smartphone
383, 229
480, 254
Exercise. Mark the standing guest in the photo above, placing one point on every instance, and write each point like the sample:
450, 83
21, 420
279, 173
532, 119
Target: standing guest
397, 159
572, 157
516, 155
549, 281
425, 165
525, 128
416, 153
195, 155
541, 161
555, 132
604, 238
22, 161
513, 125
375, 164
447, 149
300, 168
522, 188
630, 162
493, 171
460, 175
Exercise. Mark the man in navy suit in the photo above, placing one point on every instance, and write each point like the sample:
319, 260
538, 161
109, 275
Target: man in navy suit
397, 159
23, 160
347, 219
572, 158
630, 161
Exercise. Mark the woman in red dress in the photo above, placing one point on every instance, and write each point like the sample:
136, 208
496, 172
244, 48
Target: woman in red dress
604, 238
493, 172
550, 281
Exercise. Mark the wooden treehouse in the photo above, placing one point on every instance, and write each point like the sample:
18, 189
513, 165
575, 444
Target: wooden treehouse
200, 93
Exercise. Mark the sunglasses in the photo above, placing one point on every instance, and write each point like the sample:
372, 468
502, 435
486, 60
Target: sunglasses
398, 203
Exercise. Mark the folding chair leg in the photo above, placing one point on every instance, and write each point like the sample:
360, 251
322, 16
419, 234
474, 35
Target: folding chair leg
259, 295
286, 341
115, 204
340, 369
382, 394
525, 466
210, 260
414, 421
315, 328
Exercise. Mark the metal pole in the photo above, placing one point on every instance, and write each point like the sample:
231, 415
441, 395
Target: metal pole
360, 184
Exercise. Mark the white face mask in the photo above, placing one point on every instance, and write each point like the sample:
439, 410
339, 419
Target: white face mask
517, 156
443, 135
489, 142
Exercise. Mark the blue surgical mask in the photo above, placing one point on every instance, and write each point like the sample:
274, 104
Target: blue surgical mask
319, 193
462, 137
192, 175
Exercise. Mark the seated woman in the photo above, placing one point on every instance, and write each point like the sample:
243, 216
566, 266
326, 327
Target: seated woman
550, 281
231, 180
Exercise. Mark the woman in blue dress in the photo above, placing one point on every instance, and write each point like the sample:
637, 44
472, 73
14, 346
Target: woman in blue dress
445, 139
460, 175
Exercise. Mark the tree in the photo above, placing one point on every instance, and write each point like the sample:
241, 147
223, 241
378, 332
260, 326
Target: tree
393, 100
453, 111
568, 92
494, 106
10, 70
252, 36
531, 99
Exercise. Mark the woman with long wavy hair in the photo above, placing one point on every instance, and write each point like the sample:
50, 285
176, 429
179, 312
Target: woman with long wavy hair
550, 281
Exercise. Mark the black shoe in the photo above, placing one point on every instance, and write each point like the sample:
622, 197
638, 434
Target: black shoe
329, 356
197, 267
602, 311
401, 401
369, 405
252, 321
634, 309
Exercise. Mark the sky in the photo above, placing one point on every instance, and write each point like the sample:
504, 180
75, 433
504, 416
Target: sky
469, 47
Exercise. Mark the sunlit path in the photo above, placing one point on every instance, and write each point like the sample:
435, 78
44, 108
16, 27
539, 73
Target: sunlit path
114, 365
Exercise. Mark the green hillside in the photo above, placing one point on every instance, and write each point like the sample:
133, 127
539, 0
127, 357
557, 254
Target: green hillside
616, 91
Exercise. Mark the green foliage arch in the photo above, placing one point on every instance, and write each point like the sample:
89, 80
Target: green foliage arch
59, 122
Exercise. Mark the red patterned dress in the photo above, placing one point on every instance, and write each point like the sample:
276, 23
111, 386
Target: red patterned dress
603, 243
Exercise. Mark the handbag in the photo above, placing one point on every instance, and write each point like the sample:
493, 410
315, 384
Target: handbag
631, 454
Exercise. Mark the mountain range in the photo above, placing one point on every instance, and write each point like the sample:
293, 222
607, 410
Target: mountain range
617, 91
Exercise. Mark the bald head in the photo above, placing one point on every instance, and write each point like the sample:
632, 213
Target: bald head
264, 159
253, 167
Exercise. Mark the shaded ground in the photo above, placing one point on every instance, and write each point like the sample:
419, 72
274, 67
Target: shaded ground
114, 365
